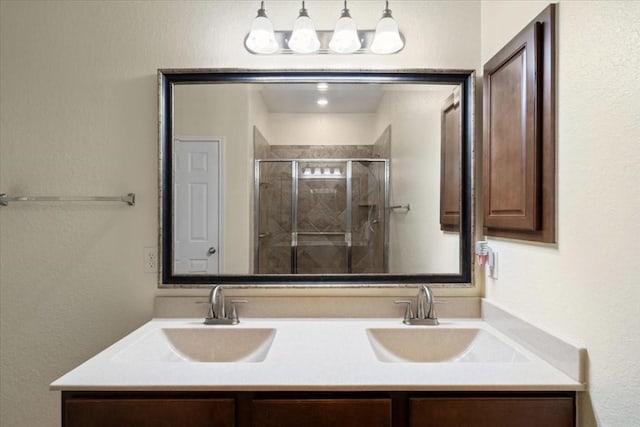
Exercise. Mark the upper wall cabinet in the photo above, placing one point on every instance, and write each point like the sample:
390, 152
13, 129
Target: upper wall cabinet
519, 135
450, 163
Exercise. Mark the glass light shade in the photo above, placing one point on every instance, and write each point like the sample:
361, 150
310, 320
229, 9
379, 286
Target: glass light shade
261, 38
304, 38
387, 37
345, 36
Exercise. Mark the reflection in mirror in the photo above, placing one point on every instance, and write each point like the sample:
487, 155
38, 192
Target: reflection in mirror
321, 180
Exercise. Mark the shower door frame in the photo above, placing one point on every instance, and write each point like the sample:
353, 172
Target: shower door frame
294, 208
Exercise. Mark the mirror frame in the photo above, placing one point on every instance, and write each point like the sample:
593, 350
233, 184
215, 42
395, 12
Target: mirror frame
167, 78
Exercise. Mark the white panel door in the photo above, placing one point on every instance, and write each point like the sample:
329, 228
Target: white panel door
197, 206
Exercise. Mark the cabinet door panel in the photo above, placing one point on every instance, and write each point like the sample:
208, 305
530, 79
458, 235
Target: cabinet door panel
450, 165
511, 160
321, 412
492, 412
519, 135
149, 413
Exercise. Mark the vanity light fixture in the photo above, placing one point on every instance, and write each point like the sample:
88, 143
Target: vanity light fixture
345, 37
304, 38
261, 38
387, 37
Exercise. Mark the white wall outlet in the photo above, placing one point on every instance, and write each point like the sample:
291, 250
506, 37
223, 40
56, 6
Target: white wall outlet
150, 260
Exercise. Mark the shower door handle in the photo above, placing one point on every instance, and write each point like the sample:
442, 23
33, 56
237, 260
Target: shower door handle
211, 251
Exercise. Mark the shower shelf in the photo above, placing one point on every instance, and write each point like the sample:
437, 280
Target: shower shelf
323, 177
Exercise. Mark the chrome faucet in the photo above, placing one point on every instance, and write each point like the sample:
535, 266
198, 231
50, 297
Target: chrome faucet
216, 303
217, 311
425, 309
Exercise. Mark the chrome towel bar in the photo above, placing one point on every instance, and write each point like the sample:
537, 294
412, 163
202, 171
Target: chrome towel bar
129, 199
406, 207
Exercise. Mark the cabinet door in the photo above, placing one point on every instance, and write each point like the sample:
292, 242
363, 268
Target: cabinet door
158, 412
519, 135
512, 138
492, 412
321, 412
450, 165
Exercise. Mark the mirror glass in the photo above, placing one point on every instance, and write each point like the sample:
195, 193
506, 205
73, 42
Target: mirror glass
315, 178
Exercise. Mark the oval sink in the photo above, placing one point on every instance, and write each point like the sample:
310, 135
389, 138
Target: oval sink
439, 345
212, 345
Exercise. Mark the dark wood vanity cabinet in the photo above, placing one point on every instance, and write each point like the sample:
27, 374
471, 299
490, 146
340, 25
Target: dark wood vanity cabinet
318, 409
148, 410
321, 412
492, 411
519, 135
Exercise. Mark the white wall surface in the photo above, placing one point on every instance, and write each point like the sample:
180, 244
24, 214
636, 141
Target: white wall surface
587, 286
78, 116
221, 111
415, 180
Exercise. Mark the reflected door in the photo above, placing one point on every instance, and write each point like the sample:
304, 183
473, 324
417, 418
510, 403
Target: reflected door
196, 206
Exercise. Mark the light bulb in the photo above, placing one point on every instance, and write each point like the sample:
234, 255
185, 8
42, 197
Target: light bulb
261, 38
345, 37
304, 38
387, 37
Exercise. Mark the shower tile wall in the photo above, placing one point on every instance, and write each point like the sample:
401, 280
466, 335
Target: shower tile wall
320, 151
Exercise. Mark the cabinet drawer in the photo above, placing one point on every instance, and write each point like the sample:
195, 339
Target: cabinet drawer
492, 412
155, 412
321, 412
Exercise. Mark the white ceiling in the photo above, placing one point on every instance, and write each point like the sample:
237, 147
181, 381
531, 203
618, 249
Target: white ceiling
303, 97
341, 97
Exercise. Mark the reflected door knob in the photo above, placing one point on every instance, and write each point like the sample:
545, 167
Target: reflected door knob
211, 250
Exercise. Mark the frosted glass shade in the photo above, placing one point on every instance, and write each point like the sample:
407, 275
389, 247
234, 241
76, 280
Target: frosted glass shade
304, 38
345, 36
387, 37
261, 38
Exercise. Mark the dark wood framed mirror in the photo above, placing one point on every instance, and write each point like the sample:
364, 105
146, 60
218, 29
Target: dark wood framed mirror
255, 248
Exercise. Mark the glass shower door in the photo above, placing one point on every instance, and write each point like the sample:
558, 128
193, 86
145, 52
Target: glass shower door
273, 240
369, 216
322, 221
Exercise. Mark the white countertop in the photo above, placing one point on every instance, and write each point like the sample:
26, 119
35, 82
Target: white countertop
313, 355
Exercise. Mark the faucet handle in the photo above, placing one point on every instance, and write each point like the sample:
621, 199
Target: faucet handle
233, 312
408, 314
210, 313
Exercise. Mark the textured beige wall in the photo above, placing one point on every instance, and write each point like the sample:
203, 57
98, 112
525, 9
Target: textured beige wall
78, 116
587, 286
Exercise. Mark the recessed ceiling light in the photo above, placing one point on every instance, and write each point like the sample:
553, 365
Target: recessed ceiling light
322, 102
322, 86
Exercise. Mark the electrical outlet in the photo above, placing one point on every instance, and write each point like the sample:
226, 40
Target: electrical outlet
150, 260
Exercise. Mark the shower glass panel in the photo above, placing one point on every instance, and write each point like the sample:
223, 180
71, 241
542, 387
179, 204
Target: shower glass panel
369, 217
273, 240
321, 216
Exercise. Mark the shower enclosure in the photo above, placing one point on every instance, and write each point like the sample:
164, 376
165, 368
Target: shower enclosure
321, 216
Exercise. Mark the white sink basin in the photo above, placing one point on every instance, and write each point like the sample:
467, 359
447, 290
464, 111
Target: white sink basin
211, 345
438, 344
